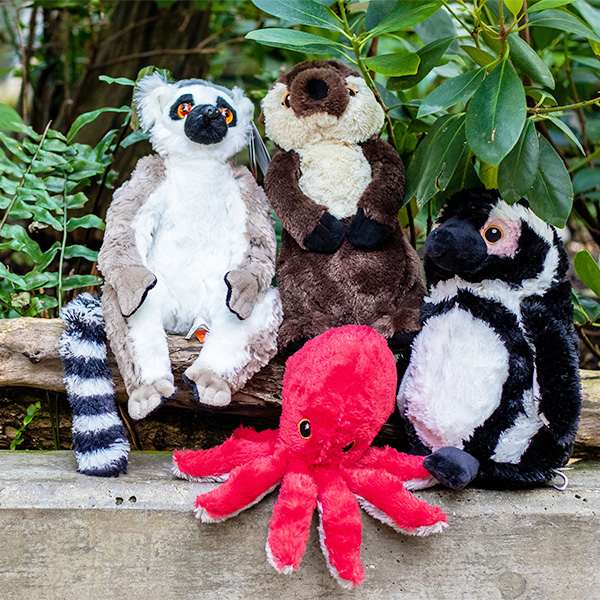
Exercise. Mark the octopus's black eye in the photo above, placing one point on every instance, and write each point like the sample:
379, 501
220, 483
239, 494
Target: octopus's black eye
351, 91
286, 100
304, 428
493, 234
348, 447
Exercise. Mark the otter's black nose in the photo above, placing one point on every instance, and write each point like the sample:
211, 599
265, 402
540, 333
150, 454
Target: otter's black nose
317, 89
211, 112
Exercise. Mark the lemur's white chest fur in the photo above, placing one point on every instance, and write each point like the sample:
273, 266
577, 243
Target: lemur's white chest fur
334, 174
191, 232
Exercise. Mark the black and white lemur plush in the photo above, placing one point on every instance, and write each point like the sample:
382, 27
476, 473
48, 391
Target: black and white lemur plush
189, 245
492, 387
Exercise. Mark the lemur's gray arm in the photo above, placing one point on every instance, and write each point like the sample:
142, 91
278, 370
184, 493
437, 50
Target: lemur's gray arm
249, 282
119, 259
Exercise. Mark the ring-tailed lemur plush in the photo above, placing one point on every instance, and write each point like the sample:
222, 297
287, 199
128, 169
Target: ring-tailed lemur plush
492, 387
189, 245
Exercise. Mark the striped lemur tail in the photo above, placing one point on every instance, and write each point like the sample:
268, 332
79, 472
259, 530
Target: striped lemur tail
101, 446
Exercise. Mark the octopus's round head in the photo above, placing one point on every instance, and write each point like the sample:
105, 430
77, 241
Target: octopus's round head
338, 391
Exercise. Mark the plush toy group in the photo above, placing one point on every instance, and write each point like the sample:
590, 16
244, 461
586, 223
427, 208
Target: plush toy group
491, 392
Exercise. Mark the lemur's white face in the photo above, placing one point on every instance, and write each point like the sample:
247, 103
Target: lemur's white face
362, 118
193, 118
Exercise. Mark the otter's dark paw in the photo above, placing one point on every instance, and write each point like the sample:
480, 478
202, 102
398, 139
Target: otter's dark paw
327, 236
452, 467
367, 233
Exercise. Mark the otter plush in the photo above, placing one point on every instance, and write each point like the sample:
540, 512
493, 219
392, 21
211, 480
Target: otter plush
337, 189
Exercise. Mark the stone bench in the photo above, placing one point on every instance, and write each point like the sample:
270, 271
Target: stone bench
66, 536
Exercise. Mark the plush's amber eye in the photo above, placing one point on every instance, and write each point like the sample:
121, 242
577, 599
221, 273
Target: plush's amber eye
493, 234
286, 100
184, 109
348, 447
304, 428
227, 114
351, 91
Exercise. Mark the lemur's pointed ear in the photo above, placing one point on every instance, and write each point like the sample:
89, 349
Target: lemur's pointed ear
150, 97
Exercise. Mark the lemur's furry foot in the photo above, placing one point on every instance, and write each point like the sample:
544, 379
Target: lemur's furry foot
209, 388
149, 397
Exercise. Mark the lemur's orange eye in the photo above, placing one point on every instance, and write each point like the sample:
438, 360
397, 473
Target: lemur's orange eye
492, 234
184, 109
227, 114
351, 91
286, 100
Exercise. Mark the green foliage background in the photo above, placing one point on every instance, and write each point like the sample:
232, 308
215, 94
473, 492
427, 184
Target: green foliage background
501, 94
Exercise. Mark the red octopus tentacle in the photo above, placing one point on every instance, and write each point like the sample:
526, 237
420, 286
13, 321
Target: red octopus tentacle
247, 485
383, 496
290, 524
340, 530
407, 467
244, 445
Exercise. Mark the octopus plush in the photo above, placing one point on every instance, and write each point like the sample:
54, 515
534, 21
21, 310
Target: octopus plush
338, 391
337, 188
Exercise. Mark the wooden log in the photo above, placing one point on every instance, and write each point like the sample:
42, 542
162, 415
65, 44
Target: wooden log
29, 358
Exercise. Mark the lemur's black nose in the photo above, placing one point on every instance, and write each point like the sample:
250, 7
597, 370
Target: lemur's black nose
317, 89
211, 112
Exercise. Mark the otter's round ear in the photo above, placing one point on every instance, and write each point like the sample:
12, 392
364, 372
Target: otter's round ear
150, 98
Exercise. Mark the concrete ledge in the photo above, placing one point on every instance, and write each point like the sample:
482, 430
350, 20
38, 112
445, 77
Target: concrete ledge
67, 536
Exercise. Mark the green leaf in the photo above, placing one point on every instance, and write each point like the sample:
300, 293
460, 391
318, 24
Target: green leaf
451, 92
406, 13
19, 240
79, 281
564, 21
496, 115
551, 196
79, 200
436, 159
586, 180
567, 131
91, 116
86, 222
134, 138
305, 12
117, 80
299, 41
12, 277
544, 4
393, 65
429, 56
526, 59
438, 25
35, 280
9, 118
518, 170
78, 251
488, 175
514, 6
587, 270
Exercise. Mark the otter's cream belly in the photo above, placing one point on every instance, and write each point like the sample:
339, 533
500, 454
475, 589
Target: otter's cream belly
334, 175
454, 380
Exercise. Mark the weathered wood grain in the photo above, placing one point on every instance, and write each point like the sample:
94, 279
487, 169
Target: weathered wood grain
29, 358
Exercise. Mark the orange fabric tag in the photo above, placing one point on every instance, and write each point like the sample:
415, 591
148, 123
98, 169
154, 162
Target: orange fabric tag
201, 334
